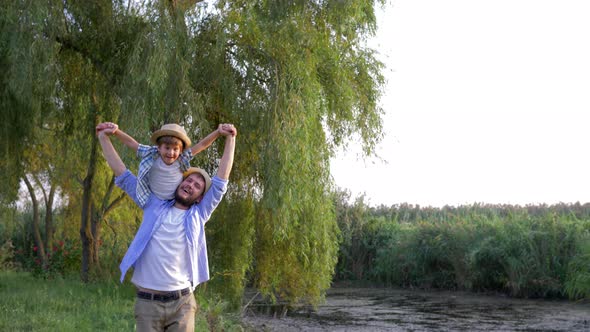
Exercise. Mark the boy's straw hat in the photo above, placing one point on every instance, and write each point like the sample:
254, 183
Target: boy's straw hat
172, 129
193, 170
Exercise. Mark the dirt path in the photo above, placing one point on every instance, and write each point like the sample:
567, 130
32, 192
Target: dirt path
362, 309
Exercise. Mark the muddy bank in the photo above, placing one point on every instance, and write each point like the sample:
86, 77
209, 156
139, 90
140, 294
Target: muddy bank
371, 309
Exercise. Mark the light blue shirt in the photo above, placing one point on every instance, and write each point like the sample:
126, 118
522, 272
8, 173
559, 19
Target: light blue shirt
194, 224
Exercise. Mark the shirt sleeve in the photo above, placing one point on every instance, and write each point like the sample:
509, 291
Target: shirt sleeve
128, 183
185, 160
146, 151
212, 198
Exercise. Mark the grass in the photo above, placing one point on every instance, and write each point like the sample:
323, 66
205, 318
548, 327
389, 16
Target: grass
30, 304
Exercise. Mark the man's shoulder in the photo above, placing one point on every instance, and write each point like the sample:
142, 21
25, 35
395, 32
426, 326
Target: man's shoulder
219, 180
125, 176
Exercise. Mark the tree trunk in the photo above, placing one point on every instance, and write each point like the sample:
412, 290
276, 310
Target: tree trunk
86, 235
95, 228
99, 216
49, 218
36, 232
90, 231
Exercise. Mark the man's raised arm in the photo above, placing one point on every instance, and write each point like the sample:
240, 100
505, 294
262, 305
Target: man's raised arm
227, 160
109, 152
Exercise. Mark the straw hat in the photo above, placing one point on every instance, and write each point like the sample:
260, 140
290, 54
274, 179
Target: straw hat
172, 129
194, 170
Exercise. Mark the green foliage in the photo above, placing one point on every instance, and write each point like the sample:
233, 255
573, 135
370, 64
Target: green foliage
577, 284
27, 67
119, 228
533, 251
6, 256
215, 314
8, 222
230, 239
357, 238
297, 269
63, 259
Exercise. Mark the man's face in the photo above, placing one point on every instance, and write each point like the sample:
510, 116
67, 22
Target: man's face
190, 190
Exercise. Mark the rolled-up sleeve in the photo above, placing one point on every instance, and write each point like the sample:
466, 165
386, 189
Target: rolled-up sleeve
212, 198
146, 150
128, 183
185, 160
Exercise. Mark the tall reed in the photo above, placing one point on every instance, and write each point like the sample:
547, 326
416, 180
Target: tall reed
532, 251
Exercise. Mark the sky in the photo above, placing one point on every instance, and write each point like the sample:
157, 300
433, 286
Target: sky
485, 102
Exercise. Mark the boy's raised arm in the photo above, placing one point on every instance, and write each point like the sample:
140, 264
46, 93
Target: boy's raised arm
126, 139
121, 135
205, 142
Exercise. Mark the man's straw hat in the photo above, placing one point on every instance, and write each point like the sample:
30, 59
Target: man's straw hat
172, 129
193, 170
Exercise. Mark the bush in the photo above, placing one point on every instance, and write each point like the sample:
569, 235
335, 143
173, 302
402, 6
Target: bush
577, 284
6, 256
62, 259
525, 252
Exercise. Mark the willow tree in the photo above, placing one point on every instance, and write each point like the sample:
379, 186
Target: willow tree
296, 77
300, 82
62, 63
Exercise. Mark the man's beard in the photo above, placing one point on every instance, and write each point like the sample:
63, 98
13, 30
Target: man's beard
184, 201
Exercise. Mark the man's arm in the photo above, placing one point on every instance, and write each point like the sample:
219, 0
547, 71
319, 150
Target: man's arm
212, 198
227, 160
109, 152
205, 142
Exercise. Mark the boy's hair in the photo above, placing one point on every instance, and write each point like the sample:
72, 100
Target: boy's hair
170, 140
173, 130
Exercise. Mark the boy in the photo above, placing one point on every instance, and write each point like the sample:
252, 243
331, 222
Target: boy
161, 167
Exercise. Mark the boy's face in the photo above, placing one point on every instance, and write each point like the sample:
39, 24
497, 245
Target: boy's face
169, 152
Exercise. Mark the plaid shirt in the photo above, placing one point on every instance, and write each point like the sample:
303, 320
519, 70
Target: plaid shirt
148, 155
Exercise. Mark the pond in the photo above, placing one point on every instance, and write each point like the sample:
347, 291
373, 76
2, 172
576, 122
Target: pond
378, 309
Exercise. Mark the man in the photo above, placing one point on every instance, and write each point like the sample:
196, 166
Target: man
169, 251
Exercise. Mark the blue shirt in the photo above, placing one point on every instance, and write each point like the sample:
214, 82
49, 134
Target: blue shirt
194, 224
148, 155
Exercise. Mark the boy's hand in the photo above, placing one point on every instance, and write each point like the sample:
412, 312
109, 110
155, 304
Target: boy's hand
228, 129
109, 128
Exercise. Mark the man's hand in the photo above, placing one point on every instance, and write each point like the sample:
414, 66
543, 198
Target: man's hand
228, 129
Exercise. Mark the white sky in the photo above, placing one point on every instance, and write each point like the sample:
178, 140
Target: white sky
486, 101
